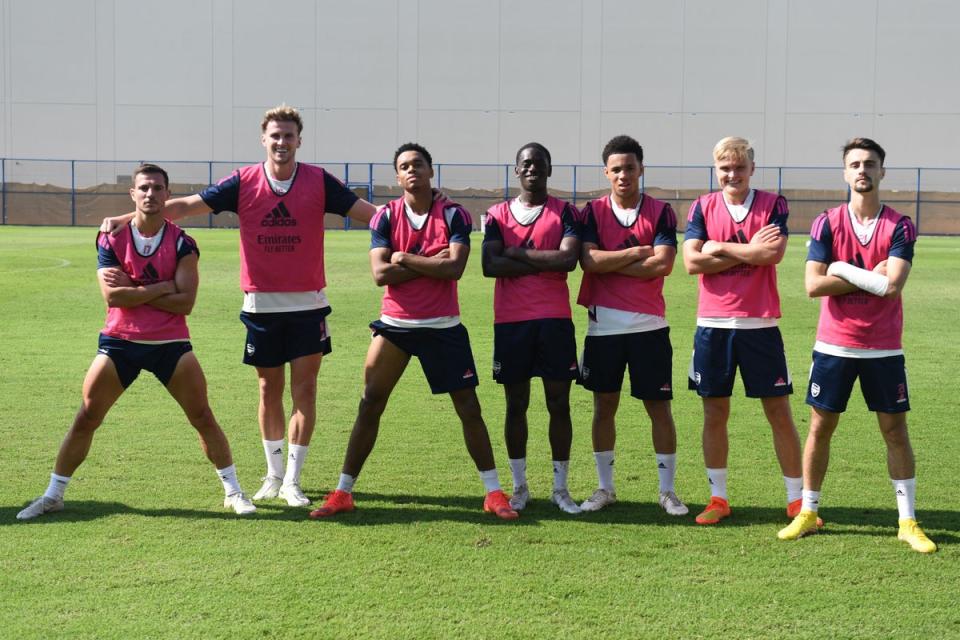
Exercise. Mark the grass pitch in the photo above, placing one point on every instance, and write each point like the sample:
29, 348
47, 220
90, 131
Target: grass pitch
145, 550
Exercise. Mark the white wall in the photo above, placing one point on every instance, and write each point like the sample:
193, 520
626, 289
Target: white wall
473, 80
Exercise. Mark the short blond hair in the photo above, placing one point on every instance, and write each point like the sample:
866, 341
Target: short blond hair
282, 113
733, 148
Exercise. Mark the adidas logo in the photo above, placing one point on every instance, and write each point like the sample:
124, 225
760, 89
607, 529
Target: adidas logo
900, 492
468, 374
661, 466
279, 216
780, 383
149, 274
277, 451
739, 236
666, 387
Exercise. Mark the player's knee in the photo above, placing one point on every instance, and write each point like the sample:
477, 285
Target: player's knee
558, 405
202, 418
373, 402
89, 417
467, 406
517, 407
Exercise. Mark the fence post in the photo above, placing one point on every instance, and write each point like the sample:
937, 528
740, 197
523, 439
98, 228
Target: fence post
346, 180
779, 181
574, 185
209, 182
3, 189
918, 200
73, 193
506, 182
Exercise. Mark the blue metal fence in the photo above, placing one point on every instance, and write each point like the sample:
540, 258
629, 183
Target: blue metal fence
81, 192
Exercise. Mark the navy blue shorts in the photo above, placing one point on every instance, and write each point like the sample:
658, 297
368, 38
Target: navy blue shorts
273, 339
883, 382
544, 348
130, 358
648, 354
717, 353
444, 354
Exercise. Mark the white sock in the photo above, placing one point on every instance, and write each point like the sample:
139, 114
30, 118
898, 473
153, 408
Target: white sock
906, 491
560, 470
718, 482
794, 488
273, 449
811, 500
296, 456
604, 460
518, 468
490, 480
666, 470
346, 483
57, 486
228, 476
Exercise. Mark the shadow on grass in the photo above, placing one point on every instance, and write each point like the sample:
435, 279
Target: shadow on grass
375, 509
90, 510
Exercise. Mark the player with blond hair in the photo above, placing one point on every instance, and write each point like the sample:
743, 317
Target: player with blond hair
735, 237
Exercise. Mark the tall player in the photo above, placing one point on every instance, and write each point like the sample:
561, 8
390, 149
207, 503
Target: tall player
859, 259
280, 204
629, 246
735, 237
419, 248
529, 245
148, 278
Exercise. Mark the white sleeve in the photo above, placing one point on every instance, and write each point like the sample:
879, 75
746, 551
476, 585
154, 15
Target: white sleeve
869, 281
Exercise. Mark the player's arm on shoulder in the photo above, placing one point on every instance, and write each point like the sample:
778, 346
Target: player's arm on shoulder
120, 292
175, 209
186, 280
185, 207
361, 211
562, 259
386, 272
658, 265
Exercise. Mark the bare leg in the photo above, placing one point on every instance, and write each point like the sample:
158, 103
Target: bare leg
604, 431
786, 441
816, 451
664, 430
716, 445
384, 366
557, 393
475, 433
303, 391
515, 422
900, 460
270, 413
188, 386
101, 388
